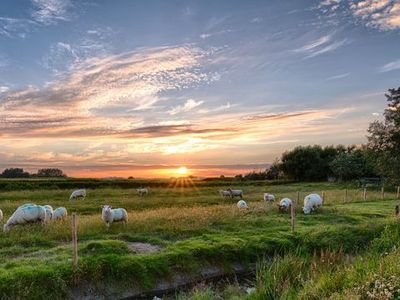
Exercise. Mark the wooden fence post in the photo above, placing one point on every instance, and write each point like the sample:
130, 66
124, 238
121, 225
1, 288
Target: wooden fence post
398, 193
323, 197
293, 215
74, 241
345, 196
365, 194
383, 192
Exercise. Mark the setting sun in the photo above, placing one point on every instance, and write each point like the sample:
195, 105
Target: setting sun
182, 171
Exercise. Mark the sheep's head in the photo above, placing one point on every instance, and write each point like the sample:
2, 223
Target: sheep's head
282, 208
106, 210
106, 207
306, 210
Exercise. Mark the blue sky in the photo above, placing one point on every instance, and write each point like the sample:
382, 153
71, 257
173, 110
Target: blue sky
135, 87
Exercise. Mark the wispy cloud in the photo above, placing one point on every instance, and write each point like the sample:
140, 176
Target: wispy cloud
324, 44
12, 27
339, 76
3, 88
223, 107
63, 55
49, 12
256, 20
391, 66
216, 33
314, 44
280, 116
96, 92
44, 13
381, 14
187, 106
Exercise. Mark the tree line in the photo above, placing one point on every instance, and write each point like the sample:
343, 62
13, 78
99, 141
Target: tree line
379, 157
21, 173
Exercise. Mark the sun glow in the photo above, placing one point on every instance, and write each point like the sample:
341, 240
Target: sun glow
182, 171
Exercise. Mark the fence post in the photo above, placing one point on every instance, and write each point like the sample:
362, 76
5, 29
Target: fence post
365, 194
293, 215
323, 197
345, 196
74, 241
398, 193
383, 192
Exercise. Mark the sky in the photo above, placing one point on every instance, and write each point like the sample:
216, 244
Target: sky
142, 88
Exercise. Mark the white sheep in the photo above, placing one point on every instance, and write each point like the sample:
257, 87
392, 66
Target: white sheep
285, 204
28, 213
1, 216
78, 194
59, 213
110, 215
268, 197
225, 193
312, 202
142, 191
236, 193
49, 212
242, 204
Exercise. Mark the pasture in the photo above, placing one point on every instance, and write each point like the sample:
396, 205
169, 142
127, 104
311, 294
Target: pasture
190, 227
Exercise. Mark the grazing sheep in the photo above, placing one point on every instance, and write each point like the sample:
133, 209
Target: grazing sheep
113, 215
268, 197
78, 194
59, 213
143, 191
236, 193
28, 213
312, 202
49, 212
285, 204
225, 193
242, 204
1, 215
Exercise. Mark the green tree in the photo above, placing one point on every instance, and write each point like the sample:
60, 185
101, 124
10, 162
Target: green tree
274, 171
348, 165
384, 139
50, 172
308, 162
14, 173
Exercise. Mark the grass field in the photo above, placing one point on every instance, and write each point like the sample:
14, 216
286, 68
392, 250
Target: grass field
195, 227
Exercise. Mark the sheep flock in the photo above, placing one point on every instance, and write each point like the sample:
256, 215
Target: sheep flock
32, 213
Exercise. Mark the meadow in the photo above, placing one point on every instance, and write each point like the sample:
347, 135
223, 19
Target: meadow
193, 228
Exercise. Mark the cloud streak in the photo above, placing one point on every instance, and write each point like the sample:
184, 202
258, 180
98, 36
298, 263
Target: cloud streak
186, 107
339, 76
322, 45
391, 66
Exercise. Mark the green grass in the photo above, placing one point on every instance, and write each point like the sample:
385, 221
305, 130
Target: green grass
195, 227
